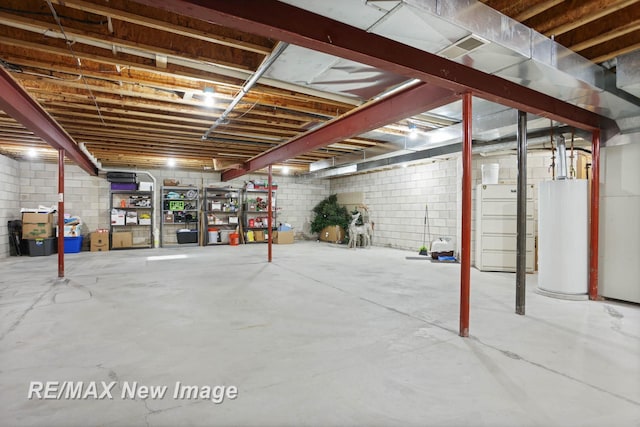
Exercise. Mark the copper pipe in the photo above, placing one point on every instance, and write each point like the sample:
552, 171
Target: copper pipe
465, 252
595, 215
61, 213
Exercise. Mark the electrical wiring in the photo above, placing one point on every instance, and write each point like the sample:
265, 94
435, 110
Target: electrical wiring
76, 58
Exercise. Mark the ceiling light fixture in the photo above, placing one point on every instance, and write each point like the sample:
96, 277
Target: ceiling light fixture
285, 170
171, 162
32, 153
413, 131
208, 97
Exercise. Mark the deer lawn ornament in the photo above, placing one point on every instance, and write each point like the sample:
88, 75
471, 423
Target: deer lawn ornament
355, 231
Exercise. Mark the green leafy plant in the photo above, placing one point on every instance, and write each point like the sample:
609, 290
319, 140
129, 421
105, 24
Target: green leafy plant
328, 212
423, 250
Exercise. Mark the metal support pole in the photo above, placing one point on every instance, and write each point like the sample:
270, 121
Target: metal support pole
61, 213
595, 216
521, 218
465, 250
270, 213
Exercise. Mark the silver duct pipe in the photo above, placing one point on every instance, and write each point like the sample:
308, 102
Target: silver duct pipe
562, 157
269, 60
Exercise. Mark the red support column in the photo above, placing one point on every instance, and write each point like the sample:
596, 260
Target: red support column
61, 213
270, 213
595, 215
465, 250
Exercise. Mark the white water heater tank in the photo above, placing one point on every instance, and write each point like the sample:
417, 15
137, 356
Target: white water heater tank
563, 230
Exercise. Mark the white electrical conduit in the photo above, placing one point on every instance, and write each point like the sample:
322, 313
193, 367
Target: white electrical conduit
269, 60
157, 203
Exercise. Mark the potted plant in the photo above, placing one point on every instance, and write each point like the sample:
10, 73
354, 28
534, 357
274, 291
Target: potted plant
330, 219
423, 250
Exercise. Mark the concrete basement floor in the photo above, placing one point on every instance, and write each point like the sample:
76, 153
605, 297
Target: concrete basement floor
322, 336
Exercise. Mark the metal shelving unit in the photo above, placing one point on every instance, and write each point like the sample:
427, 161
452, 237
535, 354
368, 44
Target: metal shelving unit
132, 211
180, 211
221, 212
255, 214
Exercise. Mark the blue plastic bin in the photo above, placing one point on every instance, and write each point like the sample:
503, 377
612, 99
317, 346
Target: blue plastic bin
72, 245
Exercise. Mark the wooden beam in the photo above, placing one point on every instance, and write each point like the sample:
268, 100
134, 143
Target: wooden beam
536, 9
17, 103
187, 29
137, 42
605, 37
569, 15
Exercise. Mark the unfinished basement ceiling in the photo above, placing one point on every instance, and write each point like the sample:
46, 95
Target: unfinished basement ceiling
130, 82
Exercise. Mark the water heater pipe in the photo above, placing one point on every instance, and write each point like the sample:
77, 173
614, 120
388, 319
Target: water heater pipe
562, 157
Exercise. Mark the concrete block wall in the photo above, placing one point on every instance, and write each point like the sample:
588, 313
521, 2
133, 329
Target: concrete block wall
396, 197
9, 199
31, 184
85, 196
399, 199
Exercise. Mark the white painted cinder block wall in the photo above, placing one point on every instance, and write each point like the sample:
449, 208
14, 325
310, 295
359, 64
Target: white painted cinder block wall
9, 200
31, 184
397, 198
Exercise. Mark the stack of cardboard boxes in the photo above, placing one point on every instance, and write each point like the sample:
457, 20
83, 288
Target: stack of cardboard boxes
37, 229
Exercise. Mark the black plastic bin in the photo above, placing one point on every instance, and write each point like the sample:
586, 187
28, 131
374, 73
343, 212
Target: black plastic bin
43, 247
187, 236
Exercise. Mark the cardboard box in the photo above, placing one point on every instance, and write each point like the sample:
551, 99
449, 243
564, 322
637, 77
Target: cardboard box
99, 241
283, 237
122, 239
41, 230
131, 217
117, 217
36, 218
72, 230
258, 235
170, 182
333, 234
145, 186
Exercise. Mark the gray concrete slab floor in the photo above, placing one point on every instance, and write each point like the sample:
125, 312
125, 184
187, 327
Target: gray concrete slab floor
322, 336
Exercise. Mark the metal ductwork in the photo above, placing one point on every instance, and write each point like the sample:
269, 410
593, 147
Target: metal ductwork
471, 33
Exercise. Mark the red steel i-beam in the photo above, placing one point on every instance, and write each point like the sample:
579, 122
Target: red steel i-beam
595, 215
465, 250
61, 213
411, 101
278, 20
17, 103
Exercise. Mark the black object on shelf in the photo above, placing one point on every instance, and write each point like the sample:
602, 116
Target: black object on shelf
122, 177
187, 236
